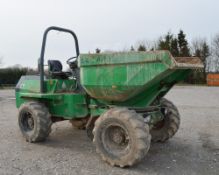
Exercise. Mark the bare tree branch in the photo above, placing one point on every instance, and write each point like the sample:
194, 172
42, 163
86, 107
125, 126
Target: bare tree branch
197, 44
149, 44
215, 46
213, 60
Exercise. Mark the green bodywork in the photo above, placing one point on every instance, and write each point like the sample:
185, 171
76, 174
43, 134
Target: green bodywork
133, 79
59, 97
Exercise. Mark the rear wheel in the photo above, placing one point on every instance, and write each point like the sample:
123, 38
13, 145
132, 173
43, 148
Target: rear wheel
168, 127
121, 137
34, 121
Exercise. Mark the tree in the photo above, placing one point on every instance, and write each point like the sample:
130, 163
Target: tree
177, 46
213, 60
198, 53
201, 49
146, 45
141, 47
165, 42
132, 49
184, 50
215, 46
98, 50
205, 51
174, 49
169, 42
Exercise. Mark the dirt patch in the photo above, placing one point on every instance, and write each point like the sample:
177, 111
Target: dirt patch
193, 150
208, 142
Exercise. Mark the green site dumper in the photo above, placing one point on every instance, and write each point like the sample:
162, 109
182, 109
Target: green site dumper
118, 98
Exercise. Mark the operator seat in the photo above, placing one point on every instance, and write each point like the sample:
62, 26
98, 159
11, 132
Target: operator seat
55, 70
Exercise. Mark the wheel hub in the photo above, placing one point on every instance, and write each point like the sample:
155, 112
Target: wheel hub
27, 121
118, 136
30, 122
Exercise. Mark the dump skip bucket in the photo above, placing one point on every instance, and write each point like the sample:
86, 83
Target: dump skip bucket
120, 76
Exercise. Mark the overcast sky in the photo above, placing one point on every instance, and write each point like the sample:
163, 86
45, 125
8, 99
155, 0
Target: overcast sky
106, 24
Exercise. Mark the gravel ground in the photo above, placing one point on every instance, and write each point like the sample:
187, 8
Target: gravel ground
193, 150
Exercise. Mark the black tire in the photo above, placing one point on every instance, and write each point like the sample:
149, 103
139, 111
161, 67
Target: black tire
89, 131
121, 137
168, 127
34, 121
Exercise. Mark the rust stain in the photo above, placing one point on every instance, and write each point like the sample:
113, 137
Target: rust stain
188, 60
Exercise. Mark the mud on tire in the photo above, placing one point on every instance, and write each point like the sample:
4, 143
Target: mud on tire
168, 127
121, 137
34, 121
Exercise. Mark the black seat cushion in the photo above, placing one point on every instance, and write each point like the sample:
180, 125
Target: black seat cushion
55, 70
55, 66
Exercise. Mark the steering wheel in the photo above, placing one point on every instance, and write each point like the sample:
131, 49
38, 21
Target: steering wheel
71, 60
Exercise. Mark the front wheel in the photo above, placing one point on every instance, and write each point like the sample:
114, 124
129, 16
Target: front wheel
34, 121
167, 128
121, 137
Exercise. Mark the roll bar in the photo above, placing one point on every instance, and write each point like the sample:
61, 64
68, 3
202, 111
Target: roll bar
42, 54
